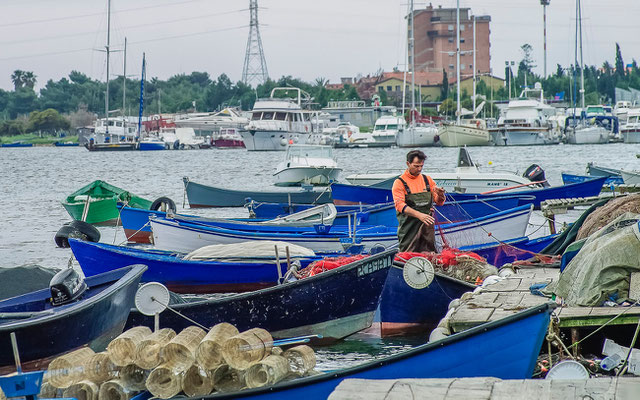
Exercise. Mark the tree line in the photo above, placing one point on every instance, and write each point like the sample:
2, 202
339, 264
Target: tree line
78, 99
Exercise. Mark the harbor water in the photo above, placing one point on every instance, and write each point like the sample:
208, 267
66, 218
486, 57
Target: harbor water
33, 182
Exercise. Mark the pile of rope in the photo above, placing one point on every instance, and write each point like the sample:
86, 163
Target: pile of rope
463, 265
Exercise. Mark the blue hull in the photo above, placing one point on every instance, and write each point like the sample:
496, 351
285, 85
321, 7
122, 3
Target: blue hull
570, 178
350, 194
506, 349
209, 196
145, 146
404, 310
334, 303
178, 275
95, 319
16, 145
516, 249
62, 144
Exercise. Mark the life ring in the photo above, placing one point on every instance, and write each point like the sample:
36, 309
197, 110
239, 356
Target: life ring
306, 128
478, 124
156, 117
163, 204
77, 230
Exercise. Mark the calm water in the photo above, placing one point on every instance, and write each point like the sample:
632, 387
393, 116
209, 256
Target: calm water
33, 181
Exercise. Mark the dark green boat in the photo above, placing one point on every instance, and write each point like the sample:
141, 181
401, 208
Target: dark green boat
97, 202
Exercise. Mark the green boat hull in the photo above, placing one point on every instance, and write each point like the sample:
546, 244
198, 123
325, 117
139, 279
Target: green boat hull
102, 199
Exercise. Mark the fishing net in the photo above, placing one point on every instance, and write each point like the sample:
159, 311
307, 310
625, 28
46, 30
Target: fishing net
603, 215
462, 265
327, 264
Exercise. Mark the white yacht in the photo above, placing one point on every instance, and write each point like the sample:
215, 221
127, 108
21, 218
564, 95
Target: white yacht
210, 124
465, 132
114, 130
307, 164
277, 122
466, 178
525, 121
386, 129
630, 131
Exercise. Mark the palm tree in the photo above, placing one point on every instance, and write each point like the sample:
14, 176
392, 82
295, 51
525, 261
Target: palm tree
17, 79
29, 79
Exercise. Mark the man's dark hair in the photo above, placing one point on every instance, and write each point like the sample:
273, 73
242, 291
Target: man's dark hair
415, 153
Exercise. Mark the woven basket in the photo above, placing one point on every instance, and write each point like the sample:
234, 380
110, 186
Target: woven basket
99, 368
83, 390
133, 377
69, 368
114, 390
301, 359
122, 350
227, 379
180, 352
209, 352
148, 351
247, 348
197, 381
165, 382
269, 371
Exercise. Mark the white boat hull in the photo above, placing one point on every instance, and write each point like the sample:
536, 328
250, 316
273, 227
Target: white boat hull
631, 135
306, 175
528, 136
630, 177
588, 135
173, 236
462, 135
272, 140
418, 137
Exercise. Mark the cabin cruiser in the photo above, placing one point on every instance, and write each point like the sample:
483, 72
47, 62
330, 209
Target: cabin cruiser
525, 121
279, 121
307, 164
209, 124
386, 129
630, 131
466, 178
227, 138
113, 130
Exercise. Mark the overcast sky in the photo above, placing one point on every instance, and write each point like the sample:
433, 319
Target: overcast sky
304, 38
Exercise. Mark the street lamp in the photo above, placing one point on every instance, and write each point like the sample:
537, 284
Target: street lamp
544, 4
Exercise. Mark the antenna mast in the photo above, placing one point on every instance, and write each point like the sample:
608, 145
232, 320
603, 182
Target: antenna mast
255, 66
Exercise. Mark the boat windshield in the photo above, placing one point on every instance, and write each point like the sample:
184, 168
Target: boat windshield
386, 127
310, 151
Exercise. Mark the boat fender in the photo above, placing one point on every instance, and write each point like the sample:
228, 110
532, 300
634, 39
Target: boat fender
163, 204
176, 145
436, 138
491, 279
77, 230
437, 334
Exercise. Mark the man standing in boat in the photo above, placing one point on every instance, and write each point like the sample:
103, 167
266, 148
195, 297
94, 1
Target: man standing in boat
414, 195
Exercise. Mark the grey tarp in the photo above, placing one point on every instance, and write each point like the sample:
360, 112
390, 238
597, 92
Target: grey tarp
603, 266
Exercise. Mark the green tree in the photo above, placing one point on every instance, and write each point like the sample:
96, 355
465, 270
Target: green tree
620, 69
12, 128
48, 121
22, 102
444, 91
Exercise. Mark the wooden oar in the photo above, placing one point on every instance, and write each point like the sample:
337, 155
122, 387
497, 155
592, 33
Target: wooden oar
513, 187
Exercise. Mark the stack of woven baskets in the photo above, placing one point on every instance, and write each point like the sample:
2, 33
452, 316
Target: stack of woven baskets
165, 363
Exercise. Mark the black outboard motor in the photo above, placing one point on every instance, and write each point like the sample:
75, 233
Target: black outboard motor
66, 286
464, 159
535, 174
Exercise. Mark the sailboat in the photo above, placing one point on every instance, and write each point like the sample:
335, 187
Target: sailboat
578, 129
471, 132
416, 134
111, 134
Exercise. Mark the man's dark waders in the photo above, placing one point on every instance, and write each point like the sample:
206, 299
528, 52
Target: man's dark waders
413, 234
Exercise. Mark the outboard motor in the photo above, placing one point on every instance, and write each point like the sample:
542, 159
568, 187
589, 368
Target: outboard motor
464, 159
66, 286
535, 174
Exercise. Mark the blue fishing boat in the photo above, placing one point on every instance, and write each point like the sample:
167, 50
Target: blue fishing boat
184, 276
209, 196
70, 314
334, 304
176, 235
571, 178
354, 194
16, 144
507, 348
404, 310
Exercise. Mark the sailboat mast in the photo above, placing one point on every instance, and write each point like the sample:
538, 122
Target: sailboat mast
413, 67
474, 64
124, 85
106, 96
458, 60
581, 60
143, 75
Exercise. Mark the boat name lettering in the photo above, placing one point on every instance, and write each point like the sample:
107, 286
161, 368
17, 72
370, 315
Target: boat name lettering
373, 266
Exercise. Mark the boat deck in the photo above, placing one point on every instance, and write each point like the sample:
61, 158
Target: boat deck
512, 295
487, 388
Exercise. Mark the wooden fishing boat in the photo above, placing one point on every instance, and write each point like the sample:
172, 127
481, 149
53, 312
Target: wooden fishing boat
226, 275
209, 196
175, 235
334, 304
507, 348
96, 203
16, 144
94, 316
354, 194
595, 170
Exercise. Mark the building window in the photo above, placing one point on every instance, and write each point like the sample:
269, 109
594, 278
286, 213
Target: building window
461, 40
450, 27
450, 40
450, 66
397, 88
461, 67
389, 88
462, 27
